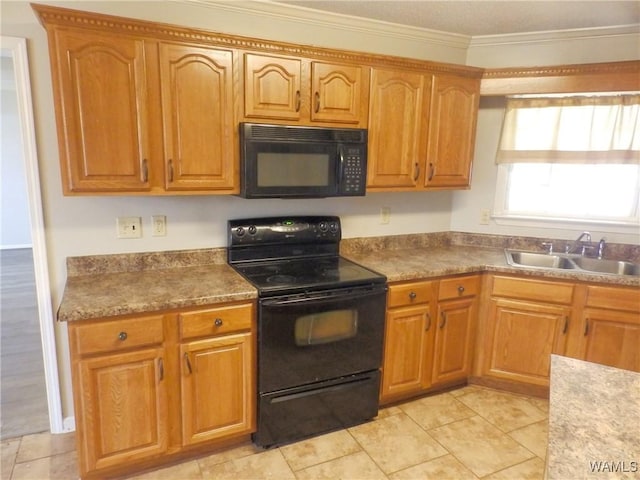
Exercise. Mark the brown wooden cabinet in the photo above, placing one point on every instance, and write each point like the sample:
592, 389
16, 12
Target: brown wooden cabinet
148, 387
528, 320
422, 130
138, 115
429, 335
452, 131
610, 327
457, 303
298, 90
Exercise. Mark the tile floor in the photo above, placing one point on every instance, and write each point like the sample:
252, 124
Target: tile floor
469, 433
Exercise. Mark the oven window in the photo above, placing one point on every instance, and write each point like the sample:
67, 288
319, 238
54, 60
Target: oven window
280, 169
326, 327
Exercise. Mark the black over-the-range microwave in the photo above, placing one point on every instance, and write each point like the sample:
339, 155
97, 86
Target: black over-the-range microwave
282, 161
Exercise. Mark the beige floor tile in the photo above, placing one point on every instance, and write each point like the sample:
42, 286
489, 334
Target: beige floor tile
8, 452
319, 449
431, 412
458, 392
535, 437
396, 442
189, 470
266, 465
59, 467
504, 410
441, 468
221, 456
480, 446
357, 466
387, 411
541, 403
46, 444
530, 470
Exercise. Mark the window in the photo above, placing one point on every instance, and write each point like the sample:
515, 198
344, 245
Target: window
570, 159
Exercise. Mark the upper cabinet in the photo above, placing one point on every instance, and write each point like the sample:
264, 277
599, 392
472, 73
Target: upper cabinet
297, 90
421, 130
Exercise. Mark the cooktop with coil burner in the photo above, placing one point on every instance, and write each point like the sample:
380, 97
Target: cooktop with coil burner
281, 255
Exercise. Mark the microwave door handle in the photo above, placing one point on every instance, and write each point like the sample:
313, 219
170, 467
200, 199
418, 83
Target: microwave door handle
340, 166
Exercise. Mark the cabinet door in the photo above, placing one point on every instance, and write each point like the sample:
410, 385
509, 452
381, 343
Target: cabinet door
121, 408
217, 387
408, 345
337, 94
452, 131
272, 87
453, 340
521, 338
611, 338
103, 133
197, 106
398, 112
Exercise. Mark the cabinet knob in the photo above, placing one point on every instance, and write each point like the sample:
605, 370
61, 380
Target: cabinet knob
412, 295
122, 336
218, 322
460, 289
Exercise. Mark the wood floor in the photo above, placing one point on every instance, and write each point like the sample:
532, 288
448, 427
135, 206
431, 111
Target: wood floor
23, 401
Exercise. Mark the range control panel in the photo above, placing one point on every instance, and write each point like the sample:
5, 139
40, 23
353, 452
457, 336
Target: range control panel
284, 230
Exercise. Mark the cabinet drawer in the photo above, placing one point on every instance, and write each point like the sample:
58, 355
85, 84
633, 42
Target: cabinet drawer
409, 294
216, 321
459, 287
115, 335
537, 290
614, 298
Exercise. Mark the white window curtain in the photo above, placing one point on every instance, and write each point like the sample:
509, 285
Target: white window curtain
593, 129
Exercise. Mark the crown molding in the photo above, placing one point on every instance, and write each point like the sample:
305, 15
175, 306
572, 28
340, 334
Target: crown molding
292, 13
554, 35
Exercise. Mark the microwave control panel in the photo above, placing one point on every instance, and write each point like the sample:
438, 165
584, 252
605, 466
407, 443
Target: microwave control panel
353, 170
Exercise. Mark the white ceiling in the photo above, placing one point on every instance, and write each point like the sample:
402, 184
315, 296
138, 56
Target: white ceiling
484, 17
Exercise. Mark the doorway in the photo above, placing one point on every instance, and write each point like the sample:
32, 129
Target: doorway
28, 297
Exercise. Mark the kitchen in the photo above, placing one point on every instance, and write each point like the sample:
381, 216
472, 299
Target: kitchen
200, 222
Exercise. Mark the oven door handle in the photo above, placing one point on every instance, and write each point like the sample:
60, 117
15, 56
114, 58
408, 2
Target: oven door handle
323, 296
316, 391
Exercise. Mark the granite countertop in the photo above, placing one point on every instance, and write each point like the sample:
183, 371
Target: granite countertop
106, 285
593, 421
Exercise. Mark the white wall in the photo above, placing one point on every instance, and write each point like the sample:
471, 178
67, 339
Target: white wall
15, 230
86, 225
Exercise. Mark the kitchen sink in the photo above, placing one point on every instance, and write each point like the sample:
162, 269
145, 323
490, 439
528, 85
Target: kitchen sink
607, 266
538, 260
570, 262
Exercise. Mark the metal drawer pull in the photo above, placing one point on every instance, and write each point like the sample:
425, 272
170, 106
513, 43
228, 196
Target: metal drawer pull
460, 289
122, 336
186, 359
566, 324
417, 170
218, 322
145, 171
297, 100
432, 171
428, 323
444, 319
586, 327
170, 166
317, 102
412, 295
161, 368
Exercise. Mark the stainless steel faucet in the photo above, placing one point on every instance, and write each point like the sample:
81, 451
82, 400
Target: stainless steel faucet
579, 243
601, 248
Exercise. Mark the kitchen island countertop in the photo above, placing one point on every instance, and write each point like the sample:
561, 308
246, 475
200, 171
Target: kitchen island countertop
593, 421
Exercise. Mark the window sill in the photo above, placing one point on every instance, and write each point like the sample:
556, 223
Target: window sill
547, 222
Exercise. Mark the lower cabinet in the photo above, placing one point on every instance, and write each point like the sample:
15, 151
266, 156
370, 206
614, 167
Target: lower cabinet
429, 335
148, 387
610, 327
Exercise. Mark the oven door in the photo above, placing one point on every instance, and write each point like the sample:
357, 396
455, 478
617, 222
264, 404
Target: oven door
313, 337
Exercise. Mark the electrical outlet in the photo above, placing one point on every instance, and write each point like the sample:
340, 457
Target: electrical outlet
158, 225
385, 215
128, 227
485, 216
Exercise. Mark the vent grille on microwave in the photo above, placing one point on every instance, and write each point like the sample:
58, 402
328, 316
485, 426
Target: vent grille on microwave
310, 134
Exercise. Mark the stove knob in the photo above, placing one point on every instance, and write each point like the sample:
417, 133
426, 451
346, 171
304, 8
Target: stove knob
333, 227
253, 230
240, 231
323, 226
